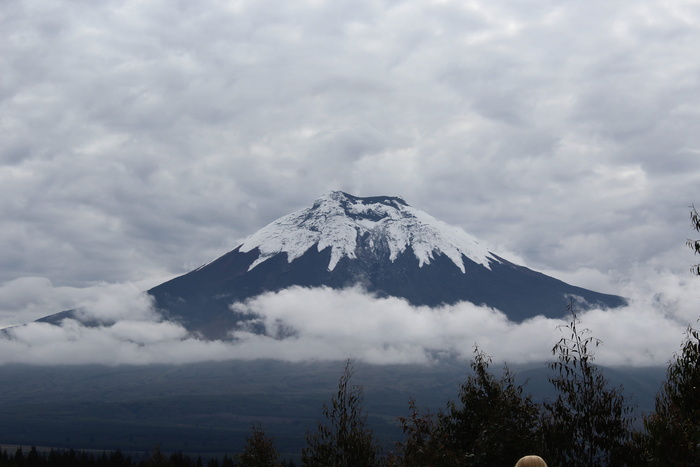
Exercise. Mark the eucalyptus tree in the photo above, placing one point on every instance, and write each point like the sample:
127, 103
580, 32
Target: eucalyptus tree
344, 440
589, 423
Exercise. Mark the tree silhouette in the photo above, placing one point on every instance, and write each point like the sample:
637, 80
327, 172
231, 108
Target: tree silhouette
493, 423
345, 440
674, 427
588, 424
426, 442
259, 450
694, 244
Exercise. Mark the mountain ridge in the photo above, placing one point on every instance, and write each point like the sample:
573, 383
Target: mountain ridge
378, 243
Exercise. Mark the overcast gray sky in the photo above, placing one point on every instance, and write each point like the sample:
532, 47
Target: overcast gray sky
142, 139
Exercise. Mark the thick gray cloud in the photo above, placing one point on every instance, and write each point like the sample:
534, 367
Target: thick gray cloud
142, 139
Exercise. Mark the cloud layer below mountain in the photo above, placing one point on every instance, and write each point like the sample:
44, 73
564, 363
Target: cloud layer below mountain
324, 324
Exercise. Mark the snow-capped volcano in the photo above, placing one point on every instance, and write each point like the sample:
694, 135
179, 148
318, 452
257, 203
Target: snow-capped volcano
345, 223
380, 244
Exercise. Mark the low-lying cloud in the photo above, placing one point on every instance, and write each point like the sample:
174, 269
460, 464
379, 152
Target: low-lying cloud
29, 298
324, 324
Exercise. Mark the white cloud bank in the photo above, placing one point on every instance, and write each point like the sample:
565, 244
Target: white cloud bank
29, 298
325, 324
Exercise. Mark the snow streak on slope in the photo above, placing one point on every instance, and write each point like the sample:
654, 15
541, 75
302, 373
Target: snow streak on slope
338, 220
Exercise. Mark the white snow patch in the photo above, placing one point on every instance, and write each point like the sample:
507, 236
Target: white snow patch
337, 220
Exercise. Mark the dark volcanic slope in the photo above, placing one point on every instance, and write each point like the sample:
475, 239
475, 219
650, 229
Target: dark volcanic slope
201, 298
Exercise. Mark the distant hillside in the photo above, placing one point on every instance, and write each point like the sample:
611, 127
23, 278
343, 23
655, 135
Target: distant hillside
208, 408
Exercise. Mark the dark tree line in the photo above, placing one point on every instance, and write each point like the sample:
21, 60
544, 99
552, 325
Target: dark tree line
258, 452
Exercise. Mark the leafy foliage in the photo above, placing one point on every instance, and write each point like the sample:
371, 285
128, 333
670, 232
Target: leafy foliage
674, 427
673, 430
426, 441
345, 440
694, 244
493, 423
259, 450
588, 424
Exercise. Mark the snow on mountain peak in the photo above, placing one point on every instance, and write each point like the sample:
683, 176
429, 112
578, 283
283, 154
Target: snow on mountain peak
338, 220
